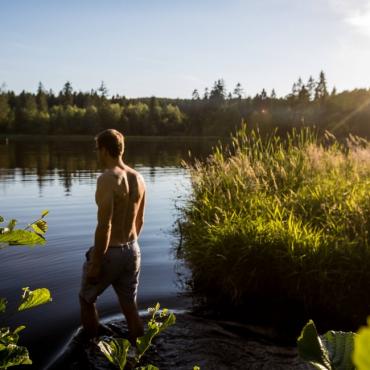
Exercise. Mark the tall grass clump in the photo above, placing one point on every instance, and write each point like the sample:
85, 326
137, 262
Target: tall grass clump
282, 220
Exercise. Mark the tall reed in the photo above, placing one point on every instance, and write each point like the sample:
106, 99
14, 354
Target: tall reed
285, 219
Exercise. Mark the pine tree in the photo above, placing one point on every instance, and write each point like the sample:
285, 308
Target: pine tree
321, 91
195, 95
206, 94
311, 86
238, 91
102, 90
218, 91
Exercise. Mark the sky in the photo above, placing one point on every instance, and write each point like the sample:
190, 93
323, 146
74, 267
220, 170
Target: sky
168, 48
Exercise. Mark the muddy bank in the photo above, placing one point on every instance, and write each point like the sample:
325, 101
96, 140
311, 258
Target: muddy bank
193, 340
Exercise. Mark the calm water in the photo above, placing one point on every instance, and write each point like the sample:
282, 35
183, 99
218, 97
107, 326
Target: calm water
61, 176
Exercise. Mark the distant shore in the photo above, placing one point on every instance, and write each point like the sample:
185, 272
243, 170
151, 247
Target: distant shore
89, 137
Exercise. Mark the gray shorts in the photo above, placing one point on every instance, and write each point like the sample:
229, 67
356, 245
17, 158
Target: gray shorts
120, 268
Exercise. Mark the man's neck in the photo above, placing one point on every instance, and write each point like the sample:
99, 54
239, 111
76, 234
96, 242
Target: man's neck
113, 162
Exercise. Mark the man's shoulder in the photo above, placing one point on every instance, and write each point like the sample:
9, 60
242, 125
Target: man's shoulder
136, 174
106, 179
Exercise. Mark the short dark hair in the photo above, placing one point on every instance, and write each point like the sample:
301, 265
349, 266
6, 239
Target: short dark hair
112, 140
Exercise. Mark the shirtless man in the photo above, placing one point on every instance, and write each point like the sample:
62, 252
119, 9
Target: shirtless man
115, 257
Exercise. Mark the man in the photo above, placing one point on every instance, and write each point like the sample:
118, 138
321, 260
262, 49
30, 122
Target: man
115, 257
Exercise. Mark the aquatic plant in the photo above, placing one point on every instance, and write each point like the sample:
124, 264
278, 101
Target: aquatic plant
10, 353
335, 350
284, 219
116, 349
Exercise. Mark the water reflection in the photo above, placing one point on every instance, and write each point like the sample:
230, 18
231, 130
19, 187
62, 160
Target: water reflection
69, 161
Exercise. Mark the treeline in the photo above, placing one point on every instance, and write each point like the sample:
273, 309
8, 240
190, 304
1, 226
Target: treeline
215, 111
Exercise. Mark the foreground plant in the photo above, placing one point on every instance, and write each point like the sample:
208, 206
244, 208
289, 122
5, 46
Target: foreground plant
335, 350
10, 353
116, 349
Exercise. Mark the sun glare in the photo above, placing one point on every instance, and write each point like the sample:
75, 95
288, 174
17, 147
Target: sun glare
361, 21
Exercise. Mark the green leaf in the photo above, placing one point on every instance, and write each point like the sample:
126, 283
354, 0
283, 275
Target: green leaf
8, 337
361, 354
11, 224
42, 224
144, 342
1, 219
147, 367
33, 298
340, 347
37, 230
13, 355
21, 237
115, 351
170, 320
44, 213
3, 303
196, 367
311, 348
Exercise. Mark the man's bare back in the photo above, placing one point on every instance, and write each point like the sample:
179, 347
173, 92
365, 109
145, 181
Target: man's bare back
126, 189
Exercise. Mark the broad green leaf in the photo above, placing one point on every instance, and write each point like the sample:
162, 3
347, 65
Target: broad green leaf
33, 298
13, 355
196, 367
11, 224
361, 354
311, 348
3, 303
44, 213
144, 342
340, 347
21, 237
37, 230
115, 351
147, 367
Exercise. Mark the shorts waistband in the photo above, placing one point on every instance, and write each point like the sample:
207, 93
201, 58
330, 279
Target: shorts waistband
131, 242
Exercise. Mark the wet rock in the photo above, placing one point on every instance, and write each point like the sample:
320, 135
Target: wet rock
193, 340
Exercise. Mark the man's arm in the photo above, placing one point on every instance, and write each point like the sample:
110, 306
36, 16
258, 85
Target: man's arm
104, 201
139, 221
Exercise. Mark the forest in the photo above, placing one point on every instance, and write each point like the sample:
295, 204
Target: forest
214, 112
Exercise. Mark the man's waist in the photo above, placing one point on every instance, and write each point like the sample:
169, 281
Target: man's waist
122, 245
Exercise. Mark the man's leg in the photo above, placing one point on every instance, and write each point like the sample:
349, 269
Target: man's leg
89, 318
134, 323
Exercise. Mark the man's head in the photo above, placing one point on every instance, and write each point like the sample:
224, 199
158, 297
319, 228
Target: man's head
111, 142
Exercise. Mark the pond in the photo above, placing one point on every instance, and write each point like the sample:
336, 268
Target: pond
60, 175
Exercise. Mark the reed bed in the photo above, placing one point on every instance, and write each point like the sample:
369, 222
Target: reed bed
283, 220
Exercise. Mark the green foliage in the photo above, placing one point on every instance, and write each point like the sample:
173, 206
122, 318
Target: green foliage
116, 349
33, 298
298, 208
11, 236
361, 354
159, 321
311, 348
219, 112
3, 303
331, 352
10, 353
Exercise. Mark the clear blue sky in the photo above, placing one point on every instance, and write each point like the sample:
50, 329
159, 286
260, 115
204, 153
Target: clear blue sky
167, 48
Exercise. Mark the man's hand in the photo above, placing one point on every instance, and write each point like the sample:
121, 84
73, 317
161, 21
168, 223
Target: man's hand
93, 273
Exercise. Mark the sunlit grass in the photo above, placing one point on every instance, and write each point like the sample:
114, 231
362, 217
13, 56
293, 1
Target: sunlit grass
282, 218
